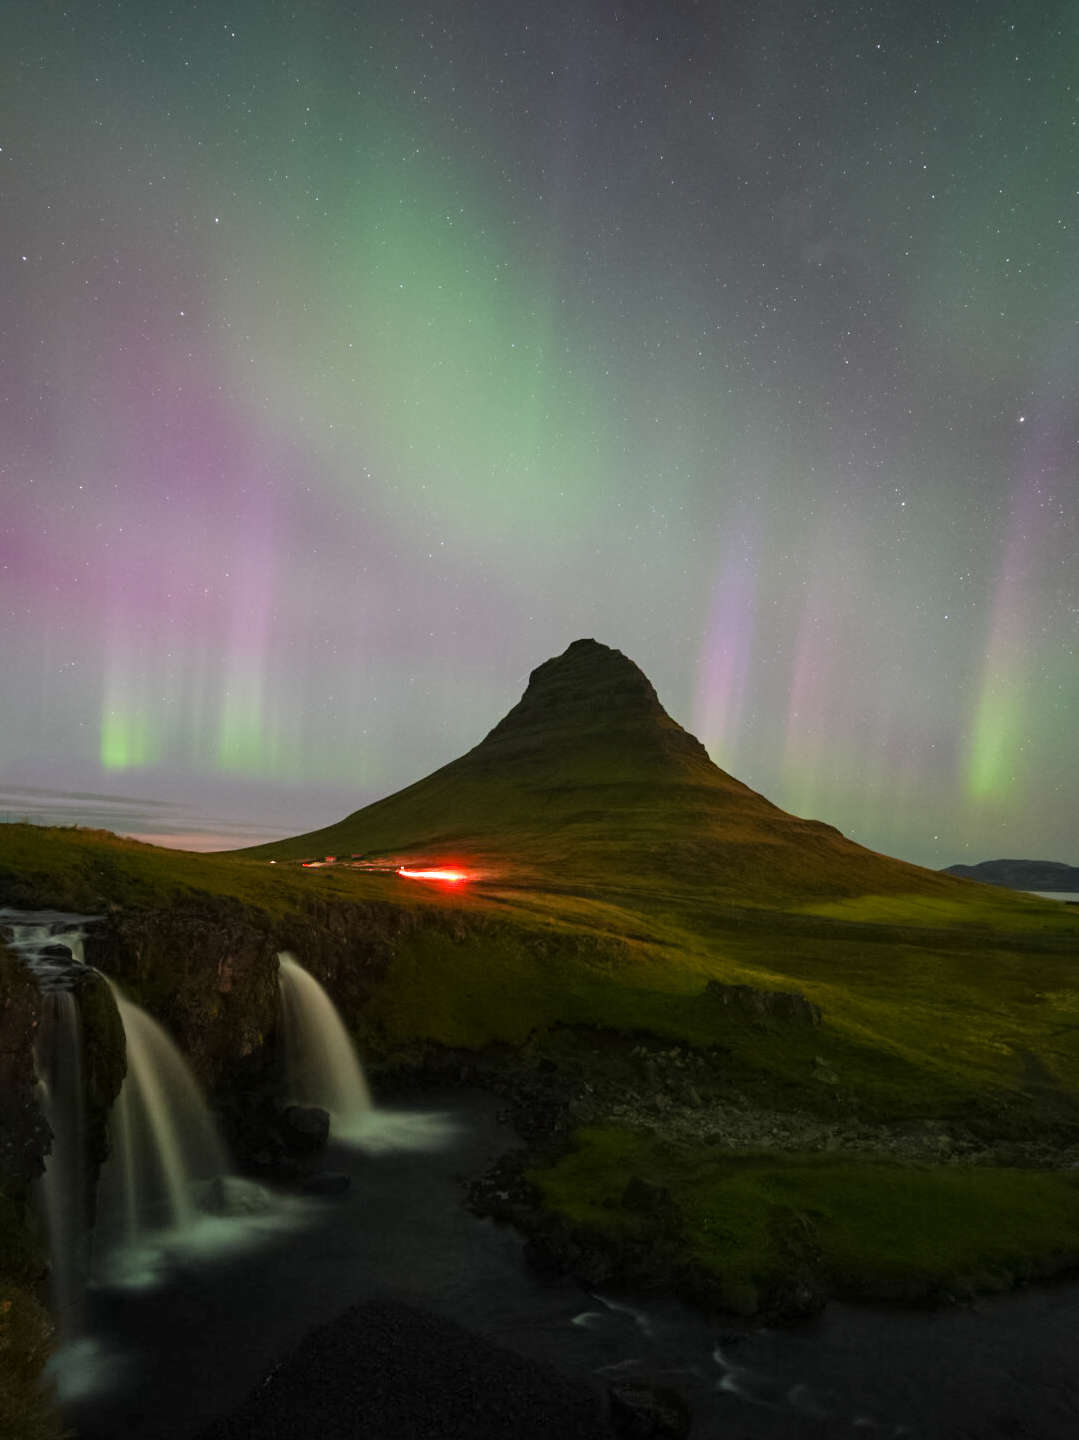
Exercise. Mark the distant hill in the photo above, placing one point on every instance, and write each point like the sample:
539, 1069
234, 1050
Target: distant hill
588, 781
1020, 874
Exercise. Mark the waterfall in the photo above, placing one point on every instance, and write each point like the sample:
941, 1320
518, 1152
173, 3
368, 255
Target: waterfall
163, 1136
321, 1064
58, 1058
50, 944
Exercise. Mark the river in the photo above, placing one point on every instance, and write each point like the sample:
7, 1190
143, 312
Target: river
193, 1331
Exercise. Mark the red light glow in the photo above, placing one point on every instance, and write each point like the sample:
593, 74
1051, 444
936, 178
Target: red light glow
452, 877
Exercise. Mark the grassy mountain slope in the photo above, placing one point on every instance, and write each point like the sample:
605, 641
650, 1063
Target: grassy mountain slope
588, 781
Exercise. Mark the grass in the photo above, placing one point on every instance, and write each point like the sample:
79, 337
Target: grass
876, 1230
988, 909
975, 1006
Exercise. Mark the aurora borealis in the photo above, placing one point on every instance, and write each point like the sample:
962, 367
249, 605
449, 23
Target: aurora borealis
358, 358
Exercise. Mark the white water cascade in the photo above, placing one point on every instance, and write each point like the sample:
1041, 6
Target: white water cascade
50, 944
58, 1057
164, 1138
321, 1064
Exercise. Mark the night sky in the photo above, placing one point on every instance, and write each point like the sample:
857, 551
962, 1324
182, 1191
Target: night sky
355, 359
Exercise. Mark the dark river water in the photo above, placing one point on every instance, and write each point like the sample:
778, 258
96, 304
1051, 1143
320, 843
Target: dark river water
192, 1330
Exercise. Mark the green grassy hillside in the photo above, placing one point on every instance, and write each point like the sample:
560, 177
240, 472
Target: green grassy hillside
928, 1008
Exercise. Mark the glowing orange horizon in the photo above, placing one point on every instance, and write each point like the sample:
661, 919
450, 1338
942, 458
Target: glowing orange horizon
452, 876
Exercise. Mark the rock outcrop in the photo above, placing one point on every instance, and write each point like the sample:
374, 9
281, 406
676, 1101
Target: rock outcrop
24, 1133
25, 1328
206, 969
389, 1370
763, 1005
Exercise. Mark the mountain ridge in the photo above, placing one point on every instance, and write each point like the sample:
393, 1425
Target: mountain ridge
1020, 874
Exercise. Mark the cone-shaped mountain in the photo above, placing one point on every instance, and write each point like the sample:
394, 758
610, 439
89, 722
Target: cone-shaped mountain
588, 780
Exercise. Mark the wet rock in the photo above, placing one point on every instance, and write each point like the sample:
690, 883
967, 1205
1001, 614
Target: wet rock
274, 1164
206, 969
233, 1195
104, 1067
24, 1132
648, 1412
325, 1182
304, 1128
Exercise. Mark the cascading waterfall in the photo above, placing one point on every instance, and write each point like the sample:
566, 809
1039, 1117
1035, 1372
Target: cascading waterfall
50, 945
63, 1187
321, 1063
163, 1136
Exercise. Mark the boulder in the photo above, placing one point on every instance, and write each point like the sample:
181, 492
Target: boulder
789, 1006
304, 1128
233, 1195
648, 1412
389, 1371
325, 1182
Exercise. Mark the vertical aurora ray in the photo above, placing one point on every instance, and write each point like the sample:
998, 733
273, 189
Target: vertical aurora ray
129, 738
1006, 700
999, 708
846, 733
125, 737
823, 640
246, 729
723, 667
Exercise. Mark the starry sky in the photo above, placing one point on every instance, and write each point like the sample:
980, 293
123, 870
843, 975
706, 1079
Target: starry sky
357, 358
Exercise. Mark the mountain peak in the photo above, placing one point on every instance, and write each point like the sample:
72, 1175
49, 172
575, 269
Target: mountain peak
589, 780
586, 673
589, 698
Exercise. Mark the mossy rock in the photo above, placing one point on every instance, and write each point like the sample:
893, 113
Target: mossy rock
27, 1407
104, 1048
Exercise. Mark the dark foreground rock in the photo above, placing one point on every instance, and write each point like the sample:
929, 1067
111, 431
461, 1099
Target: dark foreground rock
649, 1412
386, 1371
325, 1182
305, 1128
